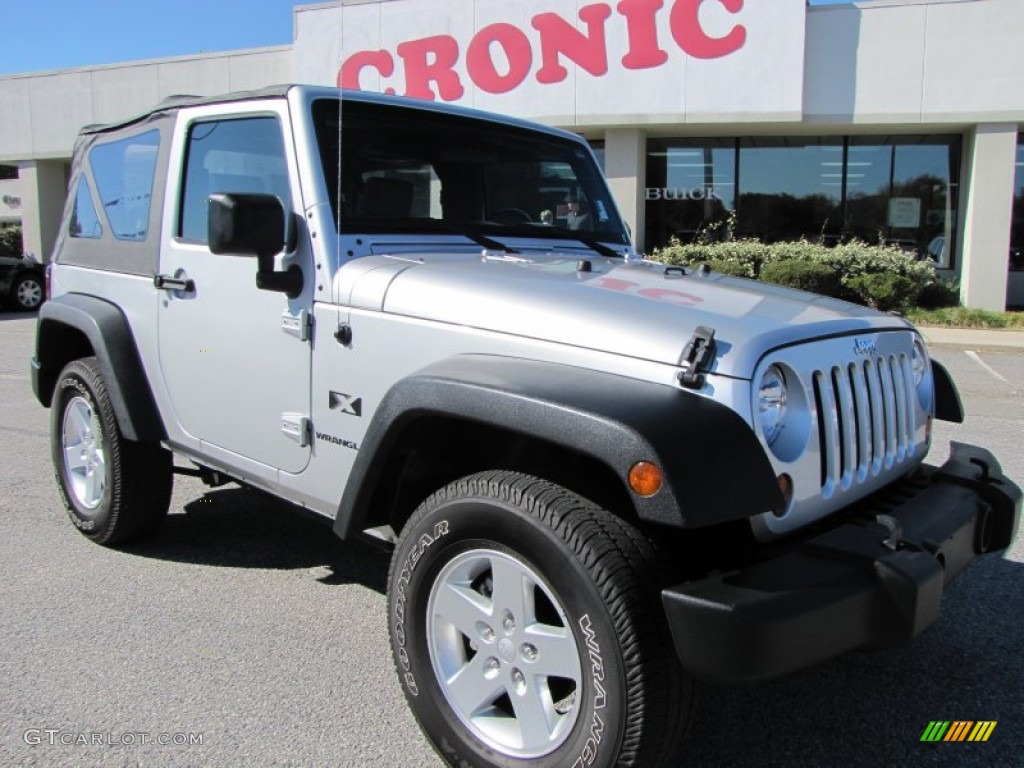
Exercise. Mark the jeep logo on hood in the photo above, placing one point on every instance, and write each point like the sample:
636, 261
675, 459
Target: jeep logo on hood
865, 347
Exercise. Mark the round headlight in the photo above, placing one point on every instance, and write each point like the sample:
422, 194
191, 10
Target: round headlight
771, 402
918, 362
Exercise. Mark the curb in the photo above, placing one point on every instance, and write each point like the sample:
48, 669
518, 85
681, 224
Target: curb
975, 338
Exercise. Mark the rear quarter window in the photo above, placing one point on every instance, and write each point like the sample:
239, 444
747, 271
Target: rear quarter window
124, 172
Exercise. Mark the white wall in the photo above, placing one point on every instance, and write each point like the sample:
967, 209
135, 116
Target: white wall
43, 184
915, 62
991, 154
43, 112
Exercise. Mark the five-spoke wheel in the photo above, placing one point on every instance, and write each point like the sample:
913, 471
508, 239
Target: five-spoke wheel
527, 629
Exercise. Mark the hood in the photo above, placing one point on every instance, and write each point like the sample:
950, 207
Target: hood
641, 309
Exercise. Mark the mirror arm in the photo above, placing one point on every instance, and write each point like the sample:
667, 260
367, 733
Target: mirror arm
288, 282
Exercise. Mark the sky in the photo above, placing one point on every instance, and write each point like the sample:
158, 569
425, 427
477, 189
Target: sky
60, 34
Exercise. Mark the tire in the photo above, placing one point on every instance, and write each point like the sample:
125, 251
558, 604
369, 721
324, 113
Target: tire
115, 490
527, 629
28, 292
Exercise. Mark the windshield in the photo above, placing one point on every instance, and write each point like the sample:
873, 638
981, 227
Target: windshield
409, 170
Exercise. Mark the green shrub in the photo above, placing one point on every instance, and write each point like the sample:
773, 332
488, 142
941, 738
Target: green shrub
804, 275
10, 241
886, 292
746, 255
880, 276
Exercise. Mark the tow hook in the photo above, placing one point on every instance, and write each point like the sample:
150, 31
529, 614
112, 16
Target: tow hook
892, 525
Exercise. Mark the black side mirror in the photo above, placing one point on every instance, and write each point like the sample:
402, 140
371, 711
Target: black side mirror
244, 224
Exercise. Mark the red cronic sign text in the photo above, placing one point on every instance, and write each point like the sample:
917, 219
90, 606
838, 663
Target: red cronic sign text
429, 63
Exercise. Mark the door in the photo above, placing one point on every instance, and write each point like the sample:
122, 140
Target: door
235, 359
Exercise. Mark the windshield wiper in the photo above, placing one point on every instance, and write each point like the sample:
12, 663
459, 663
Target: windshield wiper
600, 247
483, 240
487, 242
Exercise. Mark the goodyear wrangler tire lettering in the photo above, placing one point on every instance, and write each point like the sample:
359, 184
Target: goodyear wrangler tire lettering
114, 490
408, 566
512, 602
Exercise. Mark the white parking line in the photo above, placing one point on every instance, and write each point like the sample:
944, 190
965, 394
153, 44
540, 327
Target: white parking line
977, 358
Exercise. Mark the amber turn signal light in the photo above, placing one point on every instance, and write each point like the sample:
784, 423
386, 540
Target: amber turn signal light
786, 487
645, 478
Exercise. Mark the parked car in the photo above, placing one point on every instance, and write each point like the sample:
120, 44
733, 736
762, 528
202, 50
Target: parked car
22, 283
936, 251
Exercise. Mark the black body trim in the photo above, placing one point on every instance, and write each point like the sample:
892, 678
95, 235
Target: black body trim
110, 336
874, 578
948, 406
702, 446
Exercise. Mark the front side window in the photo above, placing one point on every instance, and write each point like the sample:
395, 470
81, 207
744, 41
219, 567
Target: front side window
225, 156
404, 171
84, 221
124, 172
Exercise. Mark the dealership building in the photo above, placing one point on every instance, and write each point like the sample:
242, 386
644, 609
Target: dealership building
897, 120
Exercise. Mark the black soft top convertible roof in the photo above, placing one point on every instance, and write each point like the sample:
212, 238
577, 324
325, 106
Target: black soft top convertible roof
172, 103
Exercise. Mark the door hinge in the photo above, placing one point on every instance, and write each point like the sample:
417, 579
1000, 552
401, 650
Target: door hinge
300, 326
297, 427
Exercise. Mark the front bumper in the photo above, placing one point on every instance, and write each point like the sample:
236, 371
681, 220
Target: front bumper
874, 579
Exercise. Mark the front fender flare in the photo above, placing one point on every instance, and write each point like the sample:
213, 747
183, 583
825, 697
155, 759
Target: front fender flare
714, 466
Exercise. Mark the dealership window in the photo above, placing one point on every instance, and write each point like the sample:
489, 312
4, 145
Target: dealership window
8, 172
790, 188
1017, 228
691, 188
904, 191
900, 189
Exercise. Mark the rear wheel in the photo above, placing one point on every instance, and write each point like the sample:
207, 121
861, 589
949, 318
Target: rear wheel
527, 629
114, 489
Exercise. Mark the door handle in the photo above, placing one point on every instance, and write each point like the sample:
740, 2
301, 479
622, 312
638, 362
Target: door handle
168, 283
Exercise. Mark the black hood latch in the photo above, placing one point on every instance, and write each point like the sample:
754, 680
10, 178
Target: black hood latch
697, 357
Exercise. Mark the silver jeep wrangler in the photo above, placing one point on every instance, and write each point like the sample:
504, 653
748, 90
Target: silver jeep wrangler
600, 476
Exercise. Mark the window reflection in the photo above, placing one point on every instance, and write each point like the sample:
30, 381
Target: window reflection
691, 188
791, 188
899, 189
124, 171
904, 193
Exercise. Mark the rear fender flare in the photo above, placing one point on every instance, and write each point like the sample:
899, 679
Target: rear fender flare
109, 334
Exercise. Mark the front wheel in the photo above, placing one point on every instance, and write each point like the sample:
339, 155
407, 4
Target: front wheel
114, 490
527, 629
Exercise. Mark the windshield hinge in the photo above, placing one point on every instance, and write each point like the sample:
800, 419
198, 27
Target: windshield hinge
697, 357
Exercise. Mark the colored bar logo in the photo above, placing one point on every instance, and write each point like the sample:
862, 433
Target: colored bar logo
958, 730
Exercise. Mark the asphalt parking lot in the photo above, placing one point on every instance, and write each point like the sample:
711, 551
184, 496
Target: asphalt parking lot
253, 630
